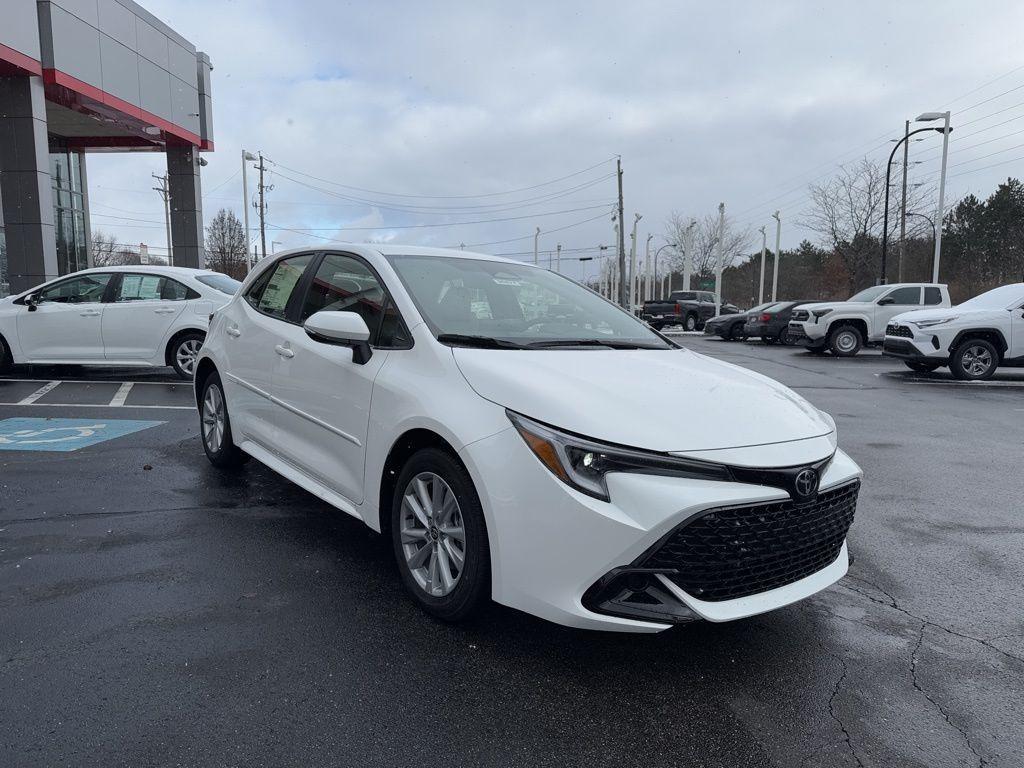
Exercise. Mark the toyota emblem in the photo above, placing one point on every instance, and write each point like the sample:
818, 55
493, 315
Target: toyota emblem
806, 483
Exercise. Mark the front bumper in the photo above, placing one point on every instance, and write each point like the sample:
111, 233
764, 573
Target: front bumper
551, 544
916, 344
806, 333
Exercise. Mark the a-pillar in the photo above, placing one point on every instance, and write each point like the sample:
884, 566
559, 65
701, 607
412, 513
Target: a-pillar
25, 183
186, 197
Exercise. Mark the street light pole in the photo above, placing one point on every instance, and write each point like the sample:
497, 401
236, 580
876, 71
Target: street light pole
940, 213
535, 236
687, 255
888, 171
760, 284
656, 284
718, 259
558, 260
246, 156
778, 247
632, 265
926, 218
903, 205
647, 270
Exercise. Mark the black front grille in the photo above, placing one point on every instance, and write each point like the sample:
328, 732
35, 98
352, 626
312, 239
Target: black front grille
733, 552
894, 329
800, 314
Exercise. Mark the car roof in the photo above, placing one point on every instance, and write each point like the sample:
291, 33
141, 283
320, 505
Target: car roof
156, 269
389, 249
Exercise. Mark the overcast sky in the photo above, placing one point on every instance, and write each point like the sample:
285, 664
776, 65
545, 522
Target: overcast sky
742, 103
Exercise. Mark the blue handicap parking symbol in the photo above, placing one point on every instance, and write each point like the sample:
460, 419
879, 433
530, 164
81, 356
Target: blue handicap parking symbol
64, 434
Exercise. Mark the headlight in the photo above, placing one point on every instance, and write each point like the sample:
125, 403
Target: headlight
583, 464
931, 323
818, 313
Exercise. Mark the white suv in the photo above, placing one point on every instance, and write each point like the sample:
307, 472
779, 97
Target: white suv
844, 327
973, 338
136, 316
493, 419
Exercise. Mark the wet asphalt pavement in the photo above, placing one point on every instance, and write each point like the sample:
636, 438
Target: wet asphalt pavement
175, 615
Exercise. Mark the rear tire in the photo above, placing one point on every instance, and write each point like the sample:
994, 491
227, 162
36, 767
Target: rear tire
784, 336
185, 353
6, 358
215, 427
920, 366
974, 360
845, 341
435, 503
690, 323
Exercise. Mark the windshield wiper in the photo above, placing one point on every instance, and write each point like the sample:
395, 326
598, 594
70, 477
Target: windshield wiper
483, 342
610, 343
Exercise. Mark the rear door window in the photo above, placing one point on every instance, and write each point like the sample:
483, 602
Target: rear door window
932, 296
905, 296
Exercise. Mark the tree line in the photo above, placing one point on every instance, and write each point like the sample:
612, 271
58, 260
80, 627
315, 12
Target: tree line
982, 242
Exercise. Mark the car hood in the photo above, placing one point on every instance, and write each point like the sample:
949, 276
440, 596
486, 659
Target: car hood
836, 305
660, 400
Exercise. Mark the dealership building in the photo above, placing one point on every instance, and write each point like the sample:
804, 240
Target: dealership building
83, 76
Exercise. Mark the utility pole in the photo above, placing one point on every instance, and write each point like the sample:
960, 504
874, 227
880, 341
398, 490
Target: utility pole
166, 197
778, 244
246, 157
262, 206
621, 293
940, 213
632, 264
903, 205
558, 259
647, 271
720, 257
687, 256
535, 236
760, 284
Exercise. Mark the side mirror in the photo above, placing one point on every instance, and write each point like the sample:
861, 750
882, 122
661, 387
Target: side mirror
344, 329
886, 300
31, 302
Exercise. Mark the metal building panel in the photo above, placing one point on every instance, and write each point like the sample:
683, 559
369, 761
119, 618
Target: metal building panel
182, 63
86, 10
151, 43
118, 22
120, 70
155, 89
75, 47
184, 105
20, 29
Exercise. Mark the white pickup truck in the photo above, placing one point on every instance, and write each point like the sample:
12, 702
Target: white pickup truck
844, 327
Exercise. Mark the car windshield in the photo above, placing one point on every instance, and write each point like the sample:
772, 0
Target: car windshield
1003, 297
762, 307
220, 282
870, 294
497, 304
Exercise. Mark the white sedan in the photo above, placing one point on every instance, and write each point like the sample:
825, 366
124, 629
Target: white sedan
131, 316
506, 428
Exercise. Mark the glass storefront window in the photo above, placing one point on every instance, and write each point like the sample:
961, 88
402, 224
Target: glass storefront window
69, 208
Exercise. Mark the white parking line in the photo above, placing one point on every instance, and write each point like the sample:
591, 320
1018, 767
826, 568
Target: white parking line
48, 387
99, 405
122, 394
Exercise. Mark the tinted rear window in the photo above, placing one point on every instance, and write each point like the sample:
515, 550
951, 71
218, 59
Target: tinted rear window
221, 283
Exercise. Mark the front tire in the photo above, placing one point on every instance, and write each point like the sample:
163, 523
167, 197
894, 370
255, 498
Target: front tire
439, 536
974, 360
185, 353
845, 341
919, 366
215, 427
6, 358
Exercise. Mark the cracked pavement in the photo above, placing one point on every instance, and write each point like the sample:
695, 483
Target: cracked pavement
179, 616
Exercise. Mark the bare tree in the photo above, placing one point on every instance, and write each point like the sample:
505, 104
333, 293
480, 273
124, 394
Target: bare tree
847, 211
226, 247
107, 252
705, 242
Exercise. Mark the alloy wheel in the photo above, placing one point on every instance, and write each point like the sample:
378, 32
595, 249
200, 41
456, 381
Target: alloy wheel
976, 360
186, 355
432, 534
214, 418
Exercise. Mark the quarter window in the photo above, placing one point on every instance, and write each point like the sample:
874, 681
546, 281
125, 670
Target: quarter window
272, 290
932, 296
906, 296
80, 290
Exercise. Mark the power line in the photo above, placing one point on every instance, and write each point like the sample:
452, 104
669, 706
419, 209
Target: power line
543, 232
446, 197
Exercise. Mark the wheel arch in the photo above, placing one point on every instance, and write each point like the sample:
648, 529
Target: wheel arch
204, 369
992, 335
860, 323
169, 347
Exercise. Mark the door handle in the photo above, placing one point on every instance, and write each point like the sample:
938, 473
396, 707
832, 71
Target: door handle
90, 313
284, 351
234, 332
165, 311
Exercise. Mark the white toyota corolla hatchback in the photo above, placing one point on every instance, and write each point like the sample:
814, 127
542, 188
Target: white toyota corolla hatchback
520, 438
137, 316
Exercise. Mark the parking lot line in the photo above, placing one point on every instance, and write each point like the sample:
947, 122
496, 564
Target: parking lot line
48, 387
121, 395
99, 405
